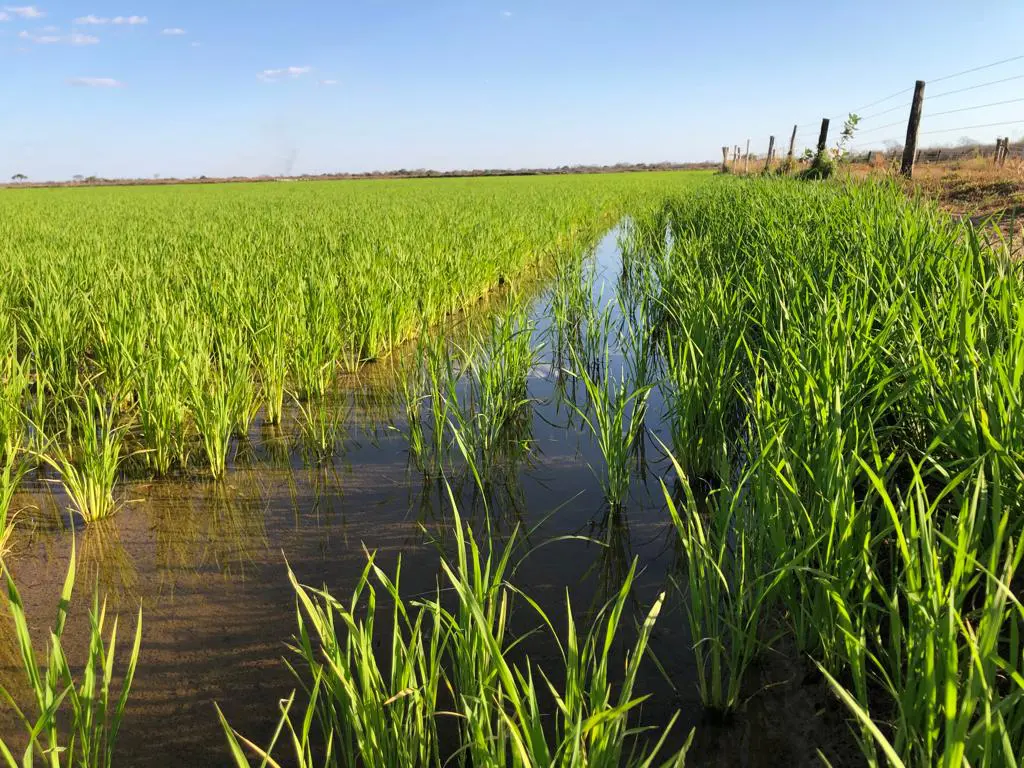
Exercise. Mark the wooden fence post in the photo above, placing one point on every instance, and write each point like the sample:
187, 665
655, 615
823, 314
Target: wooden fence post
771, 150
725, 159
999, 148
913, 124
746, 159
792, 147
1006, 150
823, 136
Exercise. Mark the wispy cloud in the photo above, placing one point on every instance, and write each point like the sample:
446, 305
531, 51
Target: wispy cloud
123, 20
328, 82
273, 75
173, 31
5, 16
75, 38
506, 14
195, 44
25, 11
95, 82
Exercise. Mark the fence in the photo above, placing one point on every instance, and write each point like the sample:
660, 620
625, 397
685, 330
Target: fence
883, 134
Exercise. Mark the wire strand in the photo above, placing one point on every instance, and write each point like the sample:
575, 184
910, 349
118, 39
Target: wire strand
976, 106
886, 111
970, 127
977, 69
974, 87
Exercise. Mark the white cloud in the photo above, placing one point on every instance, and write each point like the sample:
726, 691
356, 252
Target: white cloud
4, 16
195, 44
506, 14
328, 82
173, 31
121, 20
273, 75
95, 82
75, 38
25, 11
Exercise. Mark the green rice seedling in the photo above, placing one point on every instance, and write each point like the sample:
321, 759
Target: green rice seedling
235, 364
413, 385
71, 723
163, 416
222, 404
500, 702
362, 711
88, 456
498, 418
950, 655
321, 426
442, 376
730, 588
614, 415
15, 381
12, 469
271, 352
369, 712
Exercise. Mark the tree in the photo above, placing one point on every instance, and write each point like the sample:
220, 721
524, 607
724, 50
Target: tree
19, 177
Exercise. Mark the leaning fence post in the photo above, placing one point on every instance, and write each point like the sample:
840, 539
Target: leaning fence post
913, 124
792, 147
771, 149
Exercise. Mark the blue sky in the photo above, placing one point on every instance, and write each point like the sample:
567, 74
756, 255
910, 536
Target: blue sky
144, 87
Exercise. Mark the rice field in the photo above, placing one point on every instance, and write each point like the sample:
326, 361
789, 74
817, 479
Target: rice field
652, 469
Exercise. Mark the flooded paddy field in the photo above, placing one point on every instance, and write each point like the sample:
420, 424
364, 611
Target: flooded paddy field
707, 434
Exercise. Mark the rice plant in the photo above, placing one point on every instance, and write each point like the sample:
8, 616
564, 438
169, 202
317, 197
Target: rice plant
88, 455
12, 469
614, 414
72, 722
373, 714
